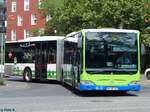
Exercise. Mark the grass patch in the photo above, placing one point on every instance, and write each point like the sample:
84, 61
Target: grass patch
2, 82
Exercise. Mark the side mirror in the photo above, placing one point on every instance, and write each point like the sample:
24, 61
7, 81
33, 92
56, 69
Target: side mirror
79, 42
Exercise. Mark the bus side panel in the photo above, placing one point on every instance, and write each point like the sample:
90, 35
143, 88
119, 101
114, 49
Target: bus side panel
20, 67
51, 71
8, 69
17, 69
67, 72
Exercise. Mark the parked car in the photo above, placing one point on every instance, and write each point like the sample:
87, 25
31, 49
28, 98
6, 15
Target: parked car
147, 73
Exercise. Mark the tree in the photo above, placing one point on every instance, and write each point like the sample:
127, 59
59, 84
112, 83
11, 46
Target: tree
78, 14
74, 15
146, 36
48, 8
36, 32
146, 31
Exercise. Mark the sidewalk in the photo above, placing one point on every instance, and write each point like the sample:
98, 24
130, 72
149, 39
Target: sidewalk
14, 84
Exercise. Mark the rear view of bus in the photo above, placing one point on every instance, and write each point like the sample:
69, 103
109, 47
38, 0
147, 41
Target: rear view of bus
110, 60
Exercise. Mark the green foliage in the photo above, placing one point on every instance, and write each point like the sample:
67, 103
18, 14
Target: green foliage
49, 6
74, 15
123, 13
36, 32
146, 36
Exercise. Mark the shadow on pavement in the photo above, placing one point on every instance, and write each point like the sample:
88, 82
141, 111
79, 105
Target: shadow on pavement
20, 79
76, 92
100, 93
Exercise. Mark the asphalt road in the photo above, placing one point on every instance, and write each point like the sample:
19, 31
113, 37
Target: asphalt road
19, 96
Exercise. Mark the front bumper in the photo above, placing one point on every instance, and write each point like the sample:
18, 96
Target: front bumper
130, 87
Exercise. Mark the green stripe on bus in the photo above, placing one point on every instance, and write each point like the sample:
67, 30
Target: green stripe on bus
51, 74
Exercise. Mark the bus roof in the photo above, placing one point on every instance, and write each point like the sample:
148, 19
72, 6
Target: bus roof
38, 38
103, 30
110, 30
71, 39
71, 34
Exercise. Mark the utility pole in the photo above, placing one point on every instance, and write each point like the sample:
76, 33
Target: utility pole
2, 39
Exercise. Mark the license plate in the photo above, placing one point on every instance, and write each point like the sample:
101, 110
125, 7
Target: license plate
111, 88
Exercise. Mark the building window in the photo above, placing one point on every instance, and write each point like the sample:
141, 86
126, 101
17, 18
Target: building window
13, 6
20, 21
26, 33
33, 19
26, 5
13, 34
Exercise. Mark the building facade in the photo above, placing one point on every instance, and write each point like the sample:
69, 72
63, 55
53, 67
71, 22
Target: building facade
2, 18
24, 19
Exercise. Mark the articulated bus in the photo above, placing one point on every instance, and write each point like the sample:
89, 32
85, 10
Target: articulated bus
34, 58
102, 59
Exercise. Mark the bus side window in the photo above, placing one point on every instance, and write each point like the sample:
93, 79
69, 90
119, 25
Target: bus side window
52, 56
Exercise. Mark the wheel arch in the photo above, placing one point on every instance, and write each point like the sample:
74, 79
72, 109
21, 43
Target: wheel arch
24, 72
27, 67
146, 71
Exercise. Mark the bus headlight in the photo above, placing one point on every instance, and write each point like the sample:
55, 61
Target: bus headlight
87, 82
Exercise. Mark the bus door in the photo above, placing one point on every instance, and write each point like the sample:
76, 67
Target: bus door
41, 61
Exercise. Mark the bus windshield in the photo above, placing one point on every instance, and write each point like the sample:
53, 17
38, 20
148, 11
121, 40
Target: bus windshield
111, 52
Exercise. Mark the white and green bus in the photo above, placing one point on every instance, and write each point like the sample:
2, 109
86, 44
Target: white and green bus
102, 59
34, 58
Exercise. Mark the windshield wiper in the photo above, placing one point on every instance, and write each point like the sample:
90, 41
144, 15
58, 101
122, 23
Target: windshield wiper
126, 71
111, 71
95, 72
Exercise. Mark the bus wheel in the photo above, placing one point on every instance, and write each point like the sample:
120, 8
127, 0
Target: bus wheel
148, 75
27, 76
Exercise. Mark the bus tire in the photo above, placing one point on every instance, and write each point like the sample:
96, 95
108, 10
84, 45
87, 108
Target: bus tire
27, 75
148, 75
